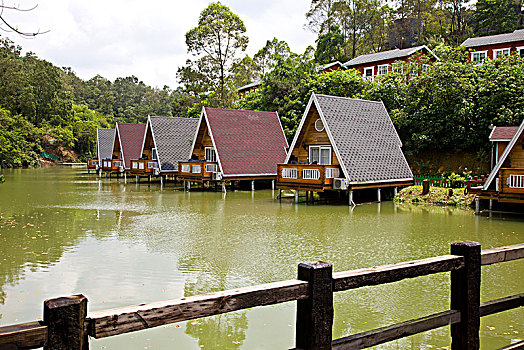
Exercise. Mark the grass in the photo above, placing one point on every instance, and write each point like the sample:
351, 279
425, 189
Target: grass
436, 196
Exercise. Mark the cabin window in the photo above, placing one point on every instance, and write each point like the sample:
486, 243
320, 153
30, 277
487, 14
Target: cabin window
319, 126
382, 69
211, 155
520, 51
320, 155
368, 73
153, 154
479, 56
425, 67
398, 67
515, 181
500, 52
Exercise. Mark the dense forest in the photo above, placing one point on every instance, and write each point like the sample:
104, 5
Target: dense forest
44, 108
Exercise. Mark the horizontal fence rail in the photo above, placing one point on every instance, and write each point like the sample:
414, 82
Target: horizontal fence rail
67, 325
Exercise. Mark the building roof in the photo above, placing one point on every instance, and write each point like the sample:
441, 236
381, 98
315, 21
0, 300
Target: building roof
364, 139
105, 138
246, 142
172, 138
329, 65
517, 35
250, 85
504, 155
503, 133
131, 137
386, 55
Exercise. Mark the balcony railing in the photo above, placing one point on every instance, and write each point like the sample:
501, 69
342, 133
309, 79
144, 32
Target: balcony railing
314, 176
511, 180
197, 170
112, 165
143, 166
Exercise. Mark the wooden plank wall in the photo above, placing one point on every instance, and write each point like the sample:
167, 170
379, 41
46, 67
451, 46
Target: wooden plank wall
516, 156
148, 144
310, 136
203, 139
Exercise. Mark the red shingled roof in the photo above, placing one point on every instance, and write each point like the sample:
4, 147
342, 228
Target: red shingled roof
247, 142
503, 133
131, 139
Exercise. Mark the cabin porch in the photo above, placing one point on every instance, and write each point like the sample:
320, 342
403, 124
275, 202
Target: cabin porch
92, 163
112, 166
143, 167
306, 177
198, 171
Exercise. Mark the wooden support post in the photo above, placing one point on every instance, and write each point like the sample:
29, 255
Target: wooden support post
188, 185
149, 179
252, 185
224, 187
425, 186
350, 199
161, 181
136, 179
273, 184
279, 196
491, 204
465, 296
315, 314
395, 190
477, 205
296, 196
65, 321
379, 197
125, 177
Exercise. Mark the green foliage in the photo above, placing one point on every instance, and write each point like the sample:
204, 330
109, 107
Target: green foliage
330, 46
496, 16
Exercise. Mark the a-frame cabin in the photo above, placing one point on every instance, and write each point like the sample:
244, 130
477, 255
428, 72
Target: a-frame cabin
167, 140
127, 145
234, 145
506, 181
344, 144
105, 139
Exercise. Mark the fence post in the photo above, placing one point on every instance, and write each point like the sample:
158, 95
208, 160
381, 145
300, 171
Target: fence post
65, 320
315, 315
465, 296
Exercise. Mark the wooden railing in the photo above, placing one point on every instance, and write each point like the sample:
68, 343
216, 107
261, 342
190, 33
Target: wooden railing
143, 166
67, 325
309, 176
197, 170
92, 163
112, 165
512, 180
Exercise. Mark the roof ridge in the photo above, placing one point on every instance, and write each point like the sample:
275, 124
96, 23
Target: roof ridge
349, 98
237, 110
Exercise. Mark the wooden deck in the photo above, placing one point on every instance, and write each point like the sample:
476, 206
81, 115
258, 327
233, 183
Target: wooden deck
92, 163
307, 177
197, 171
112, 166
143, 167
510, 187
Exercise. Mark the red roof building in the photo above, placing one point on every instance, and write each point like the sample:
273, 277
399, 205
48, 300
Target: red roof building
493, 46
235, 145
128, 142
500, 137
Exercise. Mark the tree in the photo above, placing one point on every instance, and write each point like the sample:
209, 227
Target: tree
218, 35
330, 46
11, 27
496, 16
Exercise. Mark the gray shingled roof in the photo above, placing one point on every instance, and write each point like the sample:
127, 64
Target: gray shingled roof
105, 139
517, 35
385, 55
250, 85
173, 139
369, 148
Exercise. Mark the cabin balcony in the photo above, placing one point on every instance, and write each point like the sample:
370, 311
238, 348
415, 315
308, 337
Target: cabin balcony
112, 166
198, 170
144, 167
92, 163
511, 181
309, 177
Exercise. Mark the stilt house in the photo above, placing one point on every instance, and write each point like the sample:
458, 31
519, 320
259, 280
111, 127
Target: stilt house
234, 145
105, 138
127, 145
167, 140
506, 180
344, 144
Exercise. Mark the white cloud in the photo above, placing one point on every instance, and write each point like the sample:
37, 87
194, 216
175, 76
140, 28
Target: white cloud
147, 39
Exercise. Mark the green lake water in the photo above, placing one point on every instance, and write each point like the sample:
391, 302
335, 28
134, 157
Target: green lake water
64, 232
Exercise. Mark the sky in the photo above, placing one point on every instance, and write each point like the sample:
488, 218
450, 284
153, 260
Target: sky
118, 38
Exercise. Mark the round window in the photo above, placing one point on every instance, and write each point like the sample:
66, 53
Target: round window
319, 126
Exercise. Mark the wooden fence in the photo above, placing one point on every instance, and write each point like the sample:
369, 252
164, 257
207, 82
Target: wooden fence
67, 325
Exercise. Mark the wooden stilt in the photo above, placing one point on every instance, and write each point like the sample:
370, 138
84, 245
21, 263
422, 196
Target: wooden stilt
350, 195
279, 196
224, 187
136, 179
477, 205
395, 190
296, 196
273, 184
252, 185
379, 198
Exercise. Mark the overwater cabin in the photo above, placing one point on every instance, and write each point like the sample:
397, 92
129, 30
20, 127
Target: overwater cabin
505, 183
127, 145
234, 145
344, 144
166, 141
105, 138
